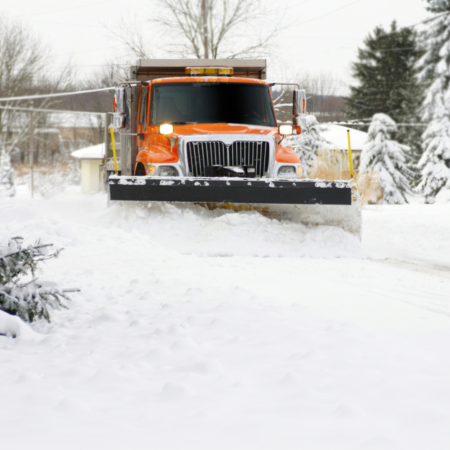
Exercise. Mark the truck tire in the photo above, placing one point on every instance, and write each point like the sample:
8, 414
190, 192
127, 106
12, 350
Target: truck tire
140, 170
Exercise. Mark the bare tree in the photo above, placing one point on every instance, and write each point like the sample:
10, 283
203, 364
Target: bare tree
23, 70
88, 127
205, 29
21, 58
133, 39
218, 28
323, 100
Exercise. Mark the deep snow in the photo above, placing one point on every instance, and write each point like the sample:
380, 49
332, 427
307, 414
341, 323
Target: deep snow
198, 329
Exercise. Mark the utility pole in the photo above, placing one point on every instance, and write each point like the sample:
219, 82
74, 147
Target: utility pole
31, 152
205, 29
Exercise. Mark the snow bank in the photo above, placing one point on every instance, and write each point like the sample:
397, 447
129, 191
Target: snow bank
443, 197
414, 232
12, 326
194, 230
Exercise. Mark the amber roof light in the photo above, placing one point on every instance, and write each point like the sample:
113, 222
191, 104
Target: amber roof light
209, 71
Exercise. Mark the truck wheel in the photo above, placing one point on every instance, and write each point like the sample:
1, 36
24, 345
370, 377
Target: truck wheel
140, 170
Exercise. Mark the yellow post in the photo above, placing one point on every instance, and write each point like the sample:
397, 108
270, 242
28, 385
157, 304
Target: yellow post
350, 154
114, 149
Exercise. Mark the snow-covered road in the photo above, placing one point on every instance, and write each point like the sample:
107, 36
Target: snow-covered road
200, 329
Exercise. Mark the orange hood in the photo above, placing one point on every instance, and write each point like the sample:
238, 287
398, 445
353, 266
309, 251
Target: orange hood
223, 128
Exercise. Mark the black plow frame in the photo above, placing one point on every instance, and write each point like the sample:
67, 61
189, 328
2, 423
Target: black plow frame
230, 190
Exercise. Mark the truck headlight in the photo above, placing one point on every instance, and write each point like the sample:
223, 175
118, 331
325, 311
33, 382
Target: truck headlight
166, 128
285, 130
287, 172
167, 171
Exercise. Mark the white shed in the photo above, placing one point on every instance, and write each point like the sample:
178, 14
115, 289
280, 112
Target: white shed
91, 160
337, 136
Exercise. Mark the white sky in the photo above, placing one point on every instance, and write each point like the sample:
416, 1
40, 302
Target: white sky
324, 35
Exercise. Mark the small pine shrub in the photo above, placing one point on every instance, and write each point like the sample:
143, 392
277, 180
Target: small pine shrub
49, 183
30, 299
7, 188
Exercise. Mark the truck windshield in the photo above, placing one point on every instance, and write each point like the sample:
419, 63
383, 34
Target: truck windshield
212, 102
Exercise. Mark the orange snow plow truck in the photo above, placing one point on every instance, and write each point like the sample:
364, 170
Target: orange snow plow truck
205, 132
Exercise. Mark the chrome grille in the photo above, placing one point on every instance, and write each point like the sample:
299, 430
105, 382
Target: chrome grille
201, 154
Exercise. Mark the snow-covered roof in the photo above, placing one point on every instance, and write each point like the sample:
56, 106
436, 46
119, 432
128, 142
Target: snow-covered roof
75, 120
337, 135
94, 152
47, 130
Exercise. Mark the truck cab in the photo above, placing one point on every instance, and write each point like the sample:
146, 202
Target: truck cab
214, 119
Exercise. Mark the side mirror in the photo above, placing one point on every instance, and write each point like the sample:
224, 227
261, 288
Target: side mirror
299, 102
119, 100
299, 109
119, 117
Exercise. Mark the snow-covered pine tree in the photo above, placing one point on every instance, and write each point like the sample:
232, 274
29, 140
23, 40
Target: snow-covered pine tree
31, 299
386, 72
7, 188
387, 157
307, 144
435, 161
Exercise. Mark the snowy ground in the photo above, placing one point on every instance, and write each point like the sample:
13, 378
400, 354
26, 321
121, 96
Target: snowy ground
213, 330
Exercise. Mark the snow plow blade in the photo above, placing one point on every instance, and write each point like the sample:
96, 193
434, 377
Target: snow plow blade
312, 202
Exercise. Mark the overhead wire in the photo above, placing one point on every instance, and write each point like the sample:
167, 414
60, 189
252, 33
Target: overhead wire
61, 111
330, 12
62, 94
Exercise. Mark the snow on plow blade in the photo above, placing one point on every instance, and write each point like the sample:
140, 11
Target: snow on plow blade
311, 202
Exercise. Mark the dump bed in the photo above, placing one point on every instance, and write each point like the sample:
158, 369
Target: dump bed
151, 69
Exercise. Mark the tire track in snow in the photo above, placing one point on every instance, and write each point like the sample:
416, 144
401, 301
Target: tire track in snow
438, 269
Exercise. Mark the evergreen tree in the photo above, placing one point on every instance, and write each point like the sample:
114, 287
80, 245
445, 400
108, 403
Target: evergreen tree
31, 299
7, 188
387, 157
435, 161
307, 144
387, 74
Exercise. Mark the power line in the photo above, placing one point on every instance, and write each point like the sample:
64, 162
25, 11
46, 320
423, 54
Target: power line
322, 37
426, 20
61, 111
430, 19
63, 94
351, 123
328, 13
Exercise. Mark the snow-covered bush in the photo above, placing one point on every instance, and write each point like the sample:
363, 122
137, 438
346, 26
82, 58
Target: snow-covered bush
7, 188
386, 156
21, 293
435, 161
52, 179
307, 144
327, 165
48, 183
369, 187
73, 174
